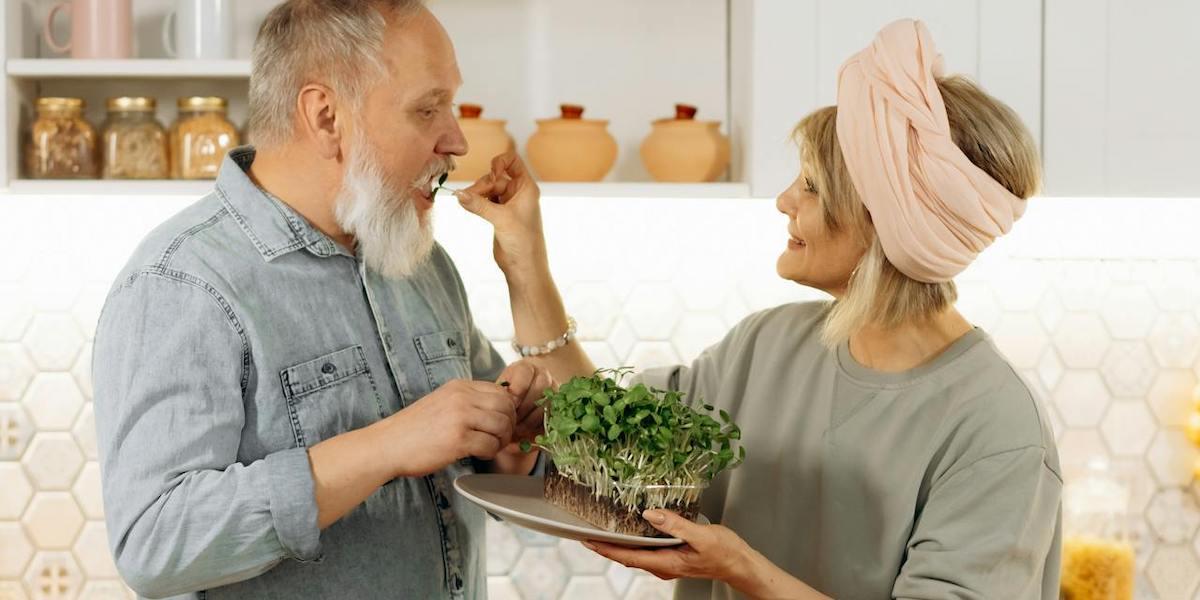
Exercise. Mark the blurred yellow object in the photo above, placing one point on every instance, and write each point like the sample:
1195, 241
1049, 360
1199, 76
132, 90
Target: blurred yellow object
1196, 468
1097, 569
1193, 428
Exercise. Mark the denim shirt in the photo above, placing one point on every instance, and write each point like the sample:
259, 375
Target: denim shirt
237, 337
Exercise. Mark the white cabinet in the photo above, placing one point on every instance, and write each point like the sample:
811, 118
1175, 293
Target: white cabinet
786, 54
627, 61
1122, 98
1109, 88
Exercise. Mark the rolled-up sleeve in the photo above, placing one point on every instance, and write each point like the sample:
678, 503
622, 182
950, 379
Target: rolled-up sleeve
170, 368
988, 530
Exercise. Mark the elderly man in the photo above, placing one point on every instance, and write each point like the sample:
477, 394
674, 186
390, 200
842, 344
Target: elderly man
287, 375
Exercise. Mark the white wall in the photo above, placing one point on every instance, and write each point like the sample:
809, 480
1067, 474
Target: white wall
788, 52
1122, 101
1104, 327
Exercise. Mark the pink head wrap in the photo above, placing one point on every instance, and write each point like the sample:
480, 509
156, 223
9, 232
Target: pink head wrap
934, 211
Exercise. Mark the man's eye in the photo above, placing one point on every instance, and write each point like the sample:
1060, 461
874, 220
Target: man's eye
429, 113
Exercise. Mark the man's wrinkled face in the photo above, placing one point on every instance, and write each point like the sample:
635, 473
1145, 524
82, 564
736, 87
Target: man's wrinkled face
402, 142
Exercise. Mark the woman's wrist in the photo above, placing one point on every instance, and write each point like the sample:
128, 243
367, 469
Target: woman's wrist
745, 570
757, 577
530, 275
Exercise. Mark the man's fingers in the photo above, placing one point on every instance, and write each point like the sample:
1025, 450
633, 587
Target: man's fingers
498, 425
483, 445
492, 398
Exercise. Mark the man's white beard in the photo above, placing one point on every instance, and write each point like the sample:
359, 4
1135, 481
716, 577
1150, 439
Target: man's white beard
392, 238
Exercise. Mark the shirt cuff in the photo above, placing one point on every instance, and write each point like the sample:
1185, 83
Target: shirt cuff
294, 503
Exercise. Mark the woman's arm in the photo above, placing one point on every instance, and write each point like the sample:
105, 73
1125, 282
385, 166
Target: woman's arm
509, 199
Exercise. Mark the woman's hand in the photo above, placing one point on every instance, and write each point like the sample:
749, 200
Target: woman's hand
708, 552
509, 199
527, 382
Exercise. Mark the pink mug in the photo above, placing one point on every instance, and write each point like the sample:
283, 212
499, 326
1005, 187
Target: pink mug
99, 29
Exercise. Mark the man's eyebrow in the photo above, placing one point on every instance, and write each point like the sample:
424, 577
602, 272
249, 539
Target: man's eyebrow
436, 94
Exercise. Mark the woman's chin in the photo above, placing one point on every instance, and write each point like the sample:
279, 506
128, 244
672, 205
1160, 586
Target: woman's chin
786, 269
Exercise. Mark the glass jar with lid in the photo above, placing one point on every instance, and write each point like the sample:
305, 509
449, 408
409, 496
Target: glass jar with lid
200, 137
62, 144
1099, 553
133, 142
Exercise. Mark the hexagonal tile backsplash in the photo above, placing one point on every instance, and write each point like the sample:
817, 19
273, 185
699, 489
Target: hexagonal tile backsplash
1111, 345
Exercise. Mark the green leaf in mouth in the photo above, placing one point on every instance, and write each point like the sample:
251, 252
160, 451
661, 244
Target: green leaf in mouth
441, 185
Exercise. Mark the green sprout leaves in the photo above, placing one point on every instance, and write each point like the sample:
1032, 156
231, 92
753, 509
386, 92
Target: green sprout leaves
600, 434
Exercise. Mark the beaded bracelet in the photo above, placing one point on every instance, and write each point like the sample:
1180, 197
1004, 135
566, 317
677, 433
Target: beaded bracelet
550, 346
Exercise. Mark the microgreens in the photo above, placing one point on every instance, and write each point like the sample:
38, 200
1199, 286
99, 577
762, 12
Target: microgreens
618, 441
441, 185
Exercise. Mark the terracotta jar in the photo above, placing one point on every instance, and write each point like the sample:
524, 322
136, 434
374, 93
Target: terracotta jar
572, 148
486, 139
684, 150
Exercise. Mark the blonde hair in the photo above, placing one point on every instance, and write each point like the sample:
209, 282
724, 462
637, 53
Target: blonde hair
985, 129
335, 42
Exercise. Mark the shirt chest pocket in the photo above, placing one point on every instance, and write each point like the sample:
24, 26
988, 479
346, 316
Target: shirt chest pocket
330, 395
444, 356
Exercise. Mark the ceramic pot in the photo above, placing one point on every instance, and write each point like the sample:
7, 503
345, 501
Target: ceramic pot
486, 139
684, 150
571, 148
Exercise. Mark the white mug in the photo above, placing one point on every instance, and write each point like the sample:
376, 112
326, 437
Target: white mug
203, 30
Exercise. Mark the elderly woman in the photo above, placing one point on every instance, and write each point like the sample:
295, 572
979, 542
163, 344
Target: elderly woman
892, 452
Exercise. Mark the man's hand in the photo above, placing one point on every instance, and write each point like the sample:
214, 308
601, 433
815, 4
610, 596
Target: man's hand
457, 420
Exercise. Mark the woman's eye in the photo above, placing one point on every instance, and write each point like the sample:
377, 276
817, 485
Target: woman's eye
809, 186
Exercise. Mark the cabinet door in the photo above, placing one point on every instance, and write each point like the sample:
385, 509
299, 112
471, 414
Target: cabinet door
786, 55
1122, 90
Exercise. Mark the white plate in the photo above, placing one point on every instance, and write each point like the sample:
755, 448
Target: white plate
518, 499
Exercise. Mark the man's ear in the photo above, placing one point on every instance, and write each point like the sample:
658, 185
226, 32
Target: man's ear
316, 109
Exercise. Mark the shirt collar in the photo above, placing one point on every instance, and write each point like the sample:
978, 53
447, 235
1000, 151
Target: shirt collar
272, 226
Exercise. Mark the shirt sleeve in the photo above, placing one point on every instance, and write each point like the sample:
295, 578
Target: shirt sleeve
183, 512
486, 362
987, 530
700, 379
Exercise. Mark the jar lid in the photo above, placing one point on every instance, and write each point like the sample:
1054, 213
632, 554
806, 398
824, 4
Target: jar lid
470, 111
202, 103
571, 111
132, 103
685, 112
56, 103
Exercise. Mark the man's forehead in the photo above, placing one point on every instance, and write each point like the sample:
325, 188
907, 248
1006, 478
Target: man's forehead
420, 56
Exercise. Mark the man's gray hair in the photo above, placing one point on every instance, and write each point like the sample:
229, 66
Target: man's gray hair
333, 42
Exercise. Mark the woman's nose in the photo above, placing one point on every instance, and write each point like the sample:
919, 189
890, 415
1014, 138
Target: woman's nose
784, 204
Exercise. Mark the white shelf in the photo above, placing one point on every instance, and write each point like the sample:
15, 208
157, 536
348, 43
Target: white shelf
91, 187
148, 68
645, 190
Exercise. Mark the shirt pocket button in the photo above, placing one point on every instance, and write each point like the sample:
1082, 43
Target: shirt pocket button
328, 368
